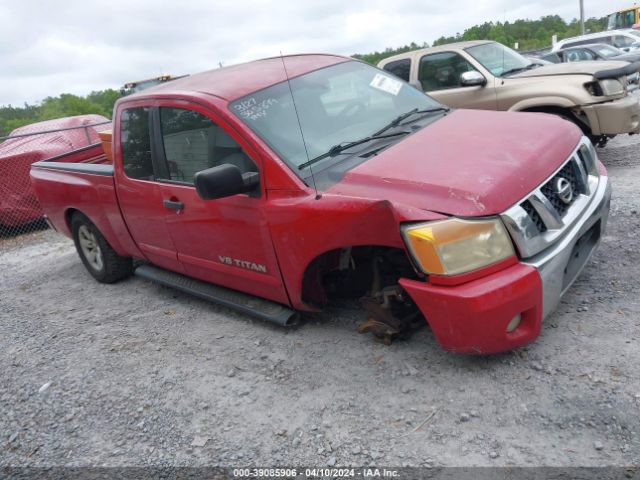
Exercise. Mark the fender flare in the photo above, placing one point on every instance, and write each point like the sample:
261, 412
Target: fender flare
541, 102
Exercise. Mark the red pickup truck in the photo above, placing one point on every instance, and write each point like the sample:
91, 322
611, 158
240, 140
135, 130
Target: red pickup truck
274, 186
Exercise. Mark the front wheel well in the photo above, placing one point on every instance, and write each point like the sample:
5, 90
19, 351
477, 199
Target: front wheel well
370, 274
352, 272
573, 115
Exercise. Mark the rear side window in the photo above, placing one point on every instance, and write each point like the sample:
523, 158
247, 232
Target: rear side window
136, 143
400, 68
608, 40
628, 19
552, 57
193, 142
578, 55
440, 71
623, 42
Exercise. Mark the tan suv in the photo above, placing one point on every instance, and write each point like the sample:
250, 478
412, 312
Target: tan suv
597, 96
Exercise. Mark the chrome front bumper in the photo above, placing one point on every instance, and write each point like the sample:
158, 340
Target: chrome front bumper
561, 263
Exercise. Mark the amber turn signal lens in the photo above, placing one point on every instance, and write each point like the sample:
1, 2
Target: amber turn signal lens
455, 246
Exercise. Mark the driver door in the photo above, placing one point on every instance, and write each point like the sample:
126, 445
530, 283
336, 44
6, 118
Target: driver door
224, 241
439, 74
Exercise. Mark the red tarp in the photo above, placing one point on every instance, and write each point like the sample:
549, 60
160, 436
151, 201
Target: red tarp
18, 203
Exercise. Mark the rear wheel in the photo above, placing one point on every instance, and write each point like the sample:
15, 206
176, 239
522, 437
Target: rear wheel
102, 261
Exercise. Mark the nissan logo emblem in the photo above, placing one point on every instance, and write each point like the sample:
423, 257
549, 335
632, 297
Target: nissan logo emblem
564, 190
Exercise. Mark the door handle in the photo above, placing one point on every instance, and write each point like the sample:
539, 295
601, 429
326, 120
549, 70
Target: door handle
173, 204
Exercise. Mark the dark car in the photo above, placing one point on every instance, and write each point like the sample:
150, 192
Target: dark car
593, 51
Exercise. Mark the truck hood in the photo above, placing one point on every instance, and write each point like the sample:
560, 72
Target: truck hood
469, 163
627, 57
573, 68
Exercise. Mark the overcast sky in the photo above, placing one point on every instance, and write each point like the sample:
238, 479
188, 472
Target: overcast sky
72, 46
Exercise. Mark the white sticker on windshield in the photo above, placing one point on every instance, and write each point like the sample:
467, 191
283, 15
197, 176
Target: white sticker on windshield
253, 109
386, 84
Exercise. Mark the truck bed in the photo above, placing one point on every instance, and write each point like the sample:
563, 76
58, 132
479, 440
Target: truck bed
82, 181
91, 154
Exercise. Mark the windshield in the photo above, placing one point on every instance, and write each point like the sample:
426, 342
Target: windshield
607, 51
498, 59
621, 20
337, 104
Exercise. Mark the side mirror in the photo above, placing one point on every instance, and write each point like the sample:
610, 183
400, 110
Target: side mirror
224, 181
472, 79
416, 84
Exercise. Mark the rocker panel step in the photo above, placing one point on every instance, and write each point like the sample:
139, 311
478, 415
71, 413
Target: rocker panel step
257, 307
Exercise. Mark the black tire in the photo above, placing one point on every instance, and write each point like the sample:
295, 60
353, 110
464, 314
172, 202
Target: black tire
103, 263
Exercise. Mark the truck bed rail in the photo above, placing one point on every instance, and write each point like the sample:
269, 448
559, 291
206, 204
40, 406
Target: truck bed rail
90, 168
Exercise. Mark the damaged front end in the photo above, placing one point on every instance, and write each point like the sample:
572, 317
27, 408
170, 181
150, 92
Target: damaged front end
371, 275
391, 312
618, 111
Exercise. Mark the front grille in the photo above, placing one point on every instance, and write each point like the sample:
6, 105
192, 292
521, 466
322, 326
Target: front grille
549, 190
534, 215
545, 214
585, 160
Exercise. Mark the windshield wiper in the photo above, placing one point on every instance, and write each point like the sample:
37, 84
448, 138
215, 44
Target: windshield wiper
396, 121
338, 149
520, 69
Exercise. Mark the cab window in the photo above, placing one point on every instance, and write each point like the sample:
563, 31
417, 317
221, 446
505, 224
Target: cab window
400, 68
136, 143
579, 55
552, 57
622, 41
440, 71
192, 143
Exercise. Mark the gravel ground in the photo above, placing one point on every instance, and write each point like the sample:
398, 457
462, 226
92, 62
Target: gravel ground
138, 374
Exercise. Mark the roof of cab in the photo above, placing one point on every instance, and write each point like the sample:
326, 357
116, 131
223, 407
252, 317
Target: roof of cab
458, 45
439, 48
230, 83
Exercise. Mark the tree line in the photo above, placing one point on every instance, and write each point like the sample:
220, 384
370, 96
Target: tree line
65, 105
529, 34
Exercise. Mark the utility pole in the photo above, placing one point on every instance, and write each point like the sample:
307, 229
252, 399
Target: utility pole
582, 16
